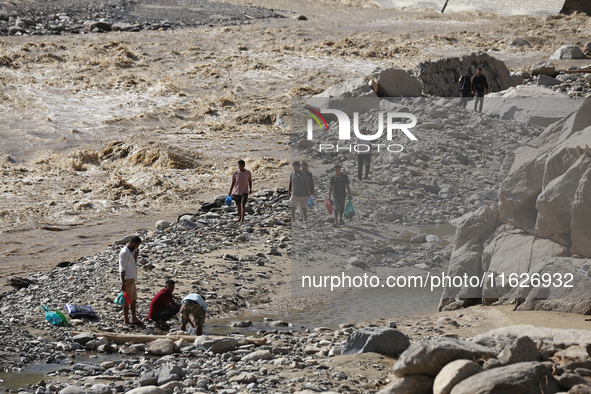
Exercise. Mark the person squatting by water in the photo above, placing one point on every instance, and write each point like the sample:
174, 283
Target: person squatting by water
194, 306
479, 89
298, 191
128, 272
240, 188
163, 307
339, 183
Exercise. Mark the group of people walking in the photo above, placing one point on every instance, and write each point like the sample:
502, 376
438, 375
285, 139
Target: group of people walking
473, 86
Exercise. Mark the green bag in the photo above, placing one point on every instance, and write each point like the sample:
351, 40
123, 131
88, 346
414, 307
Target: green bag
64, 318
349, 210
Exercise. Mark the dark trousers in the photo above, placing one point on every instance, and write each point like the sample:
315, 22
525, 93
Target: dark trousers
361, 160
478, 101
164, 315
466, 96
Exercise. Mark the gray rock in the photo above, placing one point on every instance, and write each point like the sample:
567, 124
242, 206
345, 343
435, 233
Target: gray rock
429, 357
162, 224
72, 390
244, 377
99, 389
453, 373
518, 42
433, 238
580, 389
567, 381
216, 345
12, 30
90, 26
160, 347
343, 97
381, 340
419, 239
543, 68
149, 378
527, 377
394, 82
544, 80
524, 349
413, 384
580, 231
122, 26
83, 338
169, 373
568, 52
187, 224
146, 390
258, 355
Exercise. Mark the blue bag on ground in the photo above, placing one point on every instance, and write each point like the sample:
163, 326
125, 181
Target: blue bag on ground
52, 317
228, 201
120, 300
76, 311
349, 210
311, 202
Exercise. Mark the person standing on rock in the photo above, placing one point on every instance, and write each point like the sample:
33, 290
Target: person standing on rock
465, 86
310, 177
298, 191
363, 153
241, 187
163, 307
193, 305
339, 183
479, 89
128, 271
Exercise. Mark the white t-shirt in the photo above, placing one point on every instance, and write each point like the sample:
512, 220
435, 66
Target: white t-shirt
127, 263
198, 298
363, 146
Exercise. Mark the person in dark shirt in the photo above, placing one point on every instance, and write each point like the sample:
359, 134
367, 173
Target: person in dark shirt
339, 183
310, 177
298, 191
163, 307
479, 89
465, 86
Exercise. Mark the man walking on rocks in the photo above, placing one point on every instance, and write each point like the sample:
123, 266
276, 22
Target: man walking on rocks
163, 307
479, 88
193, 305
465, 86
299, 191
363, 153
128, 271
339, 183
310, 177
240, 188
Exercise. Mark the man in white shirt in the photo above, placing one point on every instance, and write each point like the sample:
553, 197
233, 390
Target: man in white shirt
128, 270
193, 305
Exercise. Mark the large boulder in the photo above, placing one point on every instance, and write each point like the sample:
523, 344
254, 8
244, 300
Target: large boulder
543, 68
350, 96
160, 347
530, 377
169, 373
412, 384
395, 82
84, 338
580, 229
453, 373
429, 357
568, 52
522, 350
381, 340
440, 77
216, 345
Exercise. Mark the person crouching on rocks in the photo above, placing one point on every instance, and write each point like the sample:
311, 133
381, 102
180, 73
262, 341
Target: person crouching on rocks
163, 307
128, 271
240, 188
193, 305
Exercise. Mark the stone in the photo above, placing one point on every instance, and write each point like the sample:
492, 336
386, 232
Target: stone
568, 52
433, 238
216, 345
72, 390
580, 231
419, 239
351, 96
453, 373
149, 378
300, 18
544, 80
186, 223
83, 338
518, 42
99, 389
306, 144
567, 381
123, 26
387, 341
93, 344
440, 77
395, 82
90, 26
146, 390
162, 224
160, 347
169, 373
524, 349
429, 357
258, 355
13, 30
413, 384
543, 68
244, 377
172, 385
580, 389
279, 323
